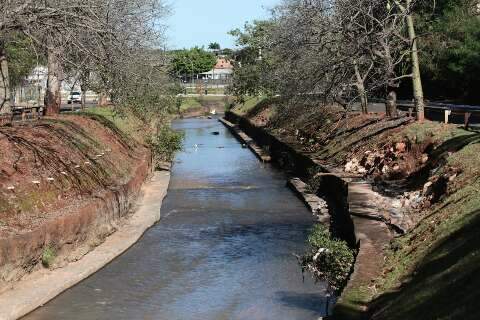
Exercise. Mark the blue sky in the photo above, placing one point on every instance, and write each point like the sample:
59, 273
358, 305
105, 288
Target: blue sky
200, 22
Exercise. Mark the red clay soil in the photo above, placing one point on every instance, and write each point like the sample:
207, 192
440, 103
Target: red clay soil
65, 185
48, 165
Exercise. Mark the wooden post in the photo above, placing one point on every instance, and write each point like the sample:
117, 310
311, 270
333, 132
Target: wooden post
410, 112
447, 115
467, 119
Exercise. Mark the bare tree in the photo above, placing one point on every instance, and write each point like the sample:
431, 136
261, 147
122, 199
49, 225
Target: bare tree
4, 80
343, 50
99, 34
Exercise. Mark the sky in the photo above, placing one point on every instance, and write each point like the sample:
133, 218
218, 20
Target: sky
200, 22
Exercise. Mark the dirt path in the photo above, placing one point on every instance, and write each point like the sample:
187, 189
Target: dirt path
42, 286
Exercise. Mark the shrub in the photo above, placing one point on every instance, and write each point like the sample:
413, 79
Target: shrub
164, 144
48, 256
327, 259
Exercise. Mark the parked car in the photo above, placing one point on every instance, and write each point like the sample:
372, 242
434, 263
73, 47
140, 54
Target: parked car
74, 97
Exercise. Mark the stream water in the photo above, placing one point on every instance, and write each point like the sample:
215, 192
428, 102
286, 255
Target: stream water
224, 248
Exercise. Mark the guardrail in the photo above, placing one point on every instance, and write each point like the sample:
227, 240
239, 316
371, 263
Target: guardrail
444, 111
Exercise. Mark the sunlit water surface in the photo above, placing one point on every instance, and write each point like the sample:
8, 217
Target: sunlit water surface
224, 248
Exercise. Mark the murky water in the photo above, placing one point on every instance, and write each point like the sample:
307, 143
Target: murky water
222, 250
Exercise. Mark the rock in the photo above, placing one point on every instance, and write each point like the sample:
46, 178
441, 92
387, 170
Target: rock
401, 147
452, 178
352, 165
385, 169
362, 170
428, 188
396, 203
424, 158
396, 168
395, 212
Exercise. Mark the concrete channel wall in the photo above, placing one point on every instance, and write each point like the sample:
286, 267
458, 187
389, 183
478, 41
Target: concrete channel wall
329, 186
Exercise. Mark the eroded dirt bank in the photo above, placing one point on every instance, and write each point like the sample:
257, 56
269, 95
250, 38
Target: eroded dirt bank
40, 287
66, 184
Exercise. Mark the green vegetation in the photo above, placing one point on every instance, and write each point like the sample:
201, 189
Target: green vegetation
253, 62
48, 256
127, 124
451, 50
327, 259
201, 90
164, 144
248, 103
22, 59
192, 61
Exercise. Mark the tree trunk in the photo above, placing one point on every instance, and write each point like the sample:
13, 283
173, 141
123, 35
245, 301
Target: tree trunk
391, 104
53, 98
102, 99
361, 91
84, 97
4, 81
416, 76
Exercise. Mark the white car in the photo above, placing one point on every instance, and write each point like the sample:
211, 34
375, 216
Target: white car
74, 97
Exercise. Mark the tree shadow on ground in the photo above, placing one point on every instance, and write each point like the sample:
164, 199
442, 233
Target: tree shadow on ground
444, 285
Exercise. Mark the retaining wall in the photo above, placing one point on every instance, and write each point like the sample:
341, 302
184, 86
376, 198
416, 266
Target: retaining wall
330, 186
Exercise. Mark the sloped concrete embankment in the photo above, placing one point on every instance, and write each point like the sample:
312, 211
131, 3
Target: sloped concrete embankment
74, 231
351, 202
329, 186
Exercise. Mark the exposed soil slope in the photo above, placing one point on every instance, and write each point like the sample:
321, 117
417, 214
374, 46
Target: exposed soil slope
65, 185
52, 163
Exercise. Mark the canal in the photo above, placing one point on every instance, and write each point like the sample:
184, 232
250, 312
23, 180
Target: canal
223, 249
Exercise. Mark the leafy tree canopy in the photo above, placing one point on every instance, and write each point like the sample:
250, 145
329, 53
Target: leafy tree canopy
214, 46
192, 61
253, 60
451, 49
22, 59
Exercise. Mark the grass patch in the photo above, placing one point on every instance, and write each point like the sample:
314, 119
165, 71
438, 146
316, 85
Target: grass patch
127, 124
48, 256
165, 144
352, 304
244, 107
190, 103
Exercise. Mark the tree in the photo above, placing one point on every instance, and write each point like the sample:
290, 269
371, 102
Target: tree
214, 46
408, 8
330, 51
450, 49
253, 61
4, 79
101, 34
192, 61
